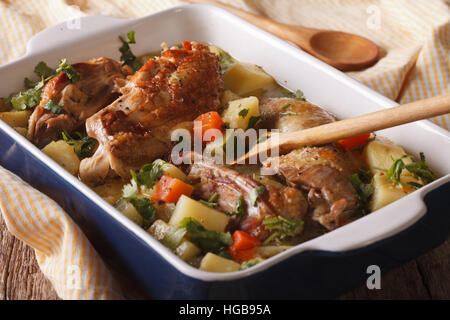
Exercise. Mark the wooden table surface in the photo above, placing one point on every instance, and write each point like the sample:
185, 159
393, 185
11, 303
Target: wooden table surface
426, 277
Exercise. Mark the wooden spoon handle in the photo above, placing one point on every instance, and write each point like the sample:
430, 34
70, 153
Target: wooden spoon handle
279, 29
371, 122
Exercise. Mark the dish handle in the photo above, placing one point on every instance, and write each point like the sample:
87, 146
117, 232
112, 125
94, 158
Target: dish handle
70, 31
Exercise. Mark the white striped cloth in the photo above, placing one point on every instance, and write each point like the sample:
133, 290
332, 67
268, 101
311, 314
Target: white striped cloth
414, 36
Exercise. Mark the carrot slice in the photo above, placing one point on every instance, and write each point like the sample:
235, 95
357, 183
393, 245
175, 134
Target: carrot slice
242, 240
210, 120
351, 143
169, 189
242, 255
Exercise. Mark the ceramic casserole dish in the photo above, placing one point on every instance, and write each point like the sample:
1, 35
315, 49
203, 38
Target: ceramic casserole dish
320, 268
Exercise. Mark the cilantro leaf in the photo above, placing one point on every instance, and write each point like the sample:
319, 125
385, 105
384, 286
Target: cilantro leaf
211, 201
127, 56
83, 145
282, 228
53, 107
364, 190
419, 169
253, 121
70, 72
243, 113
206, 239
148, 175
29, 98
256, 192
44, 71
145, 209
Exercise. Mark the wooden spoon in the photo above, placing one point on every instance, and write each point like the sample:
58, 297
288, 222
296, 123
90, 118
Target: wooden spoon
341, 50
347, 128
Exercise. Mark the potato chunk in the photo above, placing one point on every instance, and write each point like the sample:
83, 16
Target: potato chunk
244, 78
64, 155
170, 170
378, 154
239, 112
386, 192
227, 97
16, 118
187, 251
209, 218
22, 131
214, 263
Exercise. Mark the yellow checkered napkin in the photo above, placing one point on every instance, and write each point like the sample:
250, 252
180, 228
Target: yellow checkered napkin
64, 254
414, 36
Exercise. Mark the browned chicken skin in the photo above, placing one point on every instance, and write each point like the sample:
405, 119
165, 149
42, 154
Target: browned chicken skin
134, 130
322, 171
231, 186
80, 100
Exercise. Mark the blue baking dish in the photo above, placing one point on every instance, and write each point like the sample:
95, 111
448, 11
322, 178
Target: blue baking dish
324, 267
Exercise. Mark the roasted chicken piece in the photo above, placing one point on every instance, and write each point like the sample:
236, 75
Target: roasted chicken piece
134, 130
94, 91
322, 171
232, 187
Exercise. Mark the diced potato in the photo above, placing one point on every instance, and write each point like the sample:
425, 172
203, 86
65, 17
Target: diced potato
243, 78
129, 211
164, 210
16, 118
214, 263
22, 131
158, 229
171, 170
228, 96
210, 219
378, 154
187, 251
386, 192
239, 112
270, 251
64, 155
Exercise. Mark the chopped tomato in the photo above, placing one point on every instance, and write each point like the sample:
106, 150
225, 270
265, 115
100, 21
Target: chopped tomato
242, 255
210, 120
242, 240
187, 45
351, 143
169, 189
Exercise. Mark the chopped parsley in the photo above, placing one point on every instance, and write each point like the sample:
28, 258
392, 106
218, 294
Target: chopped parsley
361, 182
211, 201
44, 71
287, 105
145, 208
243, 113
282, 228
148, 175
53, 107
298, 95
69, 70
83, 145
418, 168
256, 192
239, 209
29, 98
253, 121
127, 56
206, 239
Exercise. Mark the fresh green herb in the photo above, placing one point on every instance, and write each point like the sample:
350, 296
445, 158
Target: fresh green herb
225, 59
29, 98
256, 192
173, 237
53, 107
83, 145
225, 254
243, 113
130, 190
298, 95
127, 56
415, 185
283, 228
69, 70
206, 239
239, 210
44, 71
287, 105
288, 113
253, 121
148, 175
145, 208
364, 190
28, 83
250, 263
211, 201
418, 168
